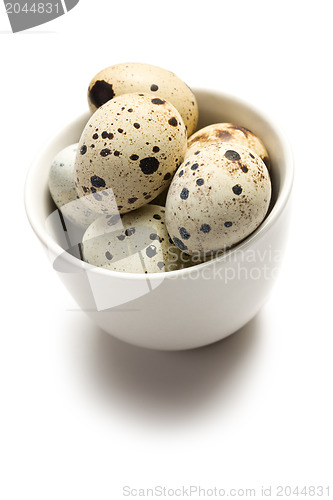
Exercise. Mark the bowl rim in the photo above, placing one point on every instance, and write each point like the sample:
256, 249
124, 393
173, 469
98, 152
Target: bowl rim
56, 249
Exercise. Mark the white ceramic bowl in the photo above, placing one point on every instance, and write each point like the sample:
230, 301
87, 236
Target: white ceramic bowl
181, 309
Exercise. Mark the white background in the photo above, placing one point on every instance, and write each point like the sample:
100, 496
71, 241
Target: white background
83, 414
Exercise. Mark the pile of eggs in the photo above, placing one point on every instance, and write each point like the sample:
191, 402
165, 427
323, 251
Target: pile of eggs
150, 192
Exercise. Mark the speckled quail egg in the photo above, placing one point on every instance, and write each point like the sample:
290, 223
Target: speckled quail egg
137, 242
137, 77
128, 153
218, 196
62, 188
227, 132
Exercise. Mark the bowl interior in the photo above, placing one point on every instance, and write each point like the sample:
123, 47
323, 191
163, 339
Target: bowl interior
213, 108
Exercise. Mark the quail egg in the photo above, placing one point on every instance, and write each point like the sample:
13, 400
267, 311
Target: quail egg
62, 188
128, 153
218, 196
227, 132
137, 242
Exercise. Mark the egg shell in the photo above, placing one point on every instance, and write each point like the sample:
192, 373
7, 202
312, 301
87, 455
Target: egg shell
227, 132
63, 191
137, 77
128, 153
137, 242
218, 196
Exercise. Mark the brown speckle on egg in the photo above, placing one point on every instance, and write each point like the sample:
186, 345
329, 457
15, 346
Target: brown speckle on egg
100, 92
173, 122
156, 100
